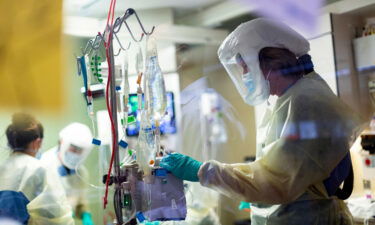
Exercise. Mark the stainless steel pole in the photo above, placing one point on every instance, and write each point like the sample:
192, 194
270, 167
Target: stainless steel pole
113, 105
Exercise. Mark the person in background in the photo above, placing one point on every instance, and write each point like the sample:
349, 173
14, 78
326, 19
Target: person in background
303, 156
29, 193
65, 159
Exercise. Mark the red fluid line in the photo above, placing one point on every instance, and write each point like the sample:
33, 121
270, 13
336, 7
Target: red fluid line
107, 45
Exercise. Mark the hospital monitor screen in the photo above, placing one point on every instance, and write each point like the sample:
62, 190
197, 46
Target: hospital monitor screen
168, 123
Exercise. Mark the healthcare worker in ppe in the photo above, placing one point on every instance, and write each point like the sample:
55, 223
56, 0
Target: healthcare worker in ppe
65, 159
304, 153
29, 193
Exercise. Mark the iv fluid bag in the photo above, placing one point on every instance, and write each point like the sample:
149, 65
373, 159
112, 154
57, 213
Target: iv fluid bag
88, 69
155, 93
146, 144
139, 60
125, 89
125, 76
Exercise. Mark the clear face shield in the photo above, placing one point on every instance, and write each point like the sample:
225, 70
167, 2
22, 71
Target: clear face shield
247, 77
237, 68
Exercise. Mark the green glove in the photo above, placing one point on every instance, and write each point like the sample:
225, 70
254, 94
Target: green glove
244, 205
86, 219
151, 223
182, 166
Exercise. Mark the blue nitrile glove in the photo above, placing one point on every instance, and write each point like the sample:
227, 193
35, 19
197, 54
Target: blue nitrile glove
86, 219
182, 166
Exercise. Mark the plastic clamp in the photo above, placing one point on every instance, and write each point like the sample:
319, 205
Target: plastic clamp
140, 217
131, 119
123, 144
160, 172
96, 142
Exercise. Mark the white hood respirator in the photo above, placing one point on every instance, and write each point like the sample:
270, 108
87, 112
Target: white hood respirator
75, 144
239, 54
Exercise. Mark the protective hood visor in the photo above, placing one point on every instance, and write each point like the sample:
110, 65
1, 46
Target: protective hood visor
247, 78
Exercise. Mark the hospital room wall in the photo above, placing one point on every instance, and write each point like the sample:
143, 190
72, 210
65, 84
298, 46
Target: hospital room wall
200, 61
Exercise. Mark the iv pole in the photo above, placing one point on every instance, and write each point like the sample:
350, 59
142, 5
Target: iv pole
94, 45
113, 103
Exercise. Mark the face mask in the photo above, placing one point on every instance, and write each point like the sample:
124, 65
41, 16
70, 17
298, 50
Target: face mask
38, 155
249, 82
71, 160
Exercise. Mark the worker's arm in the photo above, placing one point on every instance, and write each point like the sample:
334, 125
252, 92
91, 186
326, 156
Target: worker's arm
310, 146
275, 179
